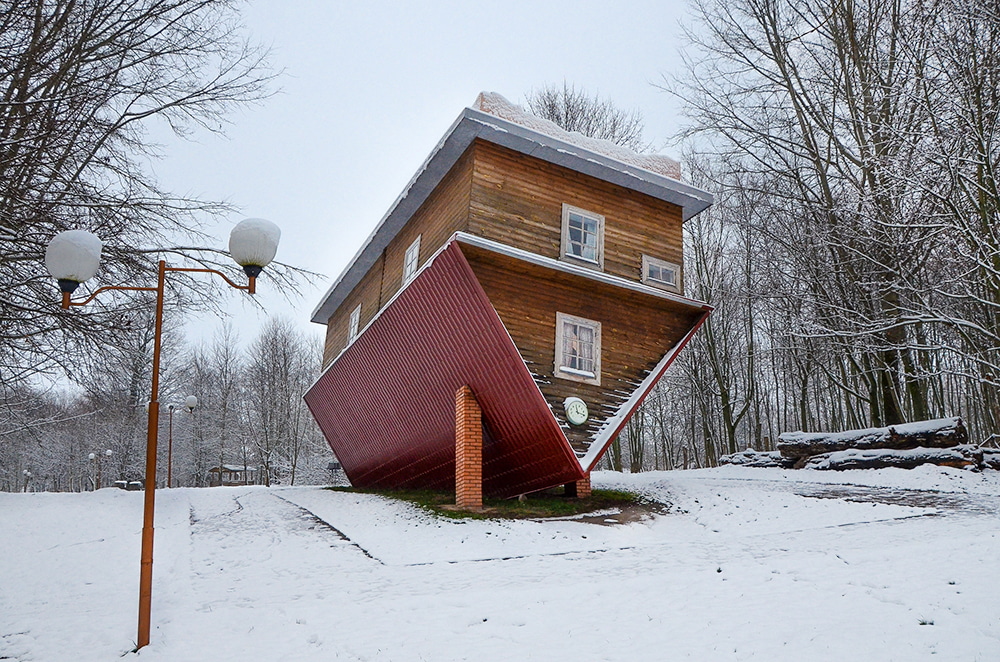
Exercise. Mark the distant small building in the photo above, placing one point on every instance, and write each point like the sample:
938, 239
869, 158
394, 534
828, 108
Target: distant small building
232, 474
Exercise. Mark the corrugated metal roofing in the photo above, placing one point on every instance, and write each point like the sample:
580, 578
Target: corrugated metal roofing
386, 404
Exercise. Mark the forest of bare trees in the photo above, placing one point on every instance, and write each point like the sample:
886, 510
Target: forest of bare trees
853, 253
250, 413
83, 88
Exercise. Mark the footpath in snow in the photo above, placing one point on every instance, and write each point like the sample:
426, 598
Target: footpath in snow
743, 564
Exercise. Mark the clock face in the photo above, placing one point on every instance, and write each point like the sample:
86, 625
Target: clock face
576, 411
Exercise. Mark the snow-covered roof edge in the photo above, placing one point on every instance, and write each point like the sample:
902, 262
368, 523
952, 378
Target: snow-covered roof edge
497, 105
470, 125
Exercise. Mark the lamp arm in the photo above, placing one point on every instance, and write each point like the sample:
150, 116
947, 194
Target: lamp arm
66, 303
249, 287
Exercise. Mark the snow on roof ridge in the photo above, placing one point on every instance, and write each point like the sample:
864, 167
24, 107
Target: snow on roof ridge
497, 105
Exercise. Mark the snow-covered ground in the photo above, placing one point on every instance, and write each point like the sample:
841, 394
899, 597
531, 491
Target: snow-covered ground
746, 564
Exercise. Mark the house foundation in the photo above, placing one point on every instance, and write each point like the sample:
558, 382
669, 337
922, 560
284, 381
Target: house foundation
579, 489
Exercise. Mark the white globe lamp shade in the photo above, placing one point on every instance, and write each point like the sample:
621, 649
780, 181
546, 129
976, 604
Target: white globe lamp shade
253, 243
73, 257
191, 402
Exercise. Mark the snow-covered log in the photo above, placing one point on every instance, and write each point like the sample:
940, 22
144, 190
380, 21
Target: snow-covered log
969, 456
752, 458
939, 433
991, 457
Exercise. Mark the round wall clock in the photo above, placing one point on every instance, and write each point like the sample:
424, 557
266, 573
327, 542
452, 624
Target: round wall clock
576, 411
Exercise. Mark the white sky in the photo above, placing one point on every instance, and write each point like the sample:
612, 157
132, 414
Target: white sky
369, 88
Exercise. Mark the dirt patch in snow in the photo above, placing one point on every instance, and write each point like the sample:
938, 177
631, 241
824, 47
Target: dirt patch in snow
944, 501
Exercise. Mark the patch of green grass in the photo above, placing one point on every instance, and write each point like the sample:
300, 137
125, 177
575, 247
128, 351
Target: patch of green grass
536, 506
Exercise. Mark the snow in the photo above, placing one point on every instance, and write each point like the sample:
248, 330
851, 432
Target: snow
847, 459
495, 104
254, 242
744, 564
73, 255
865, 438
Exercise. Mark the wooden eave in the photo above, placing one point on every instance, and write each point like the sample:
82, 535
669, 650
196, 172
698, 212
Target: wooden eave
470, 126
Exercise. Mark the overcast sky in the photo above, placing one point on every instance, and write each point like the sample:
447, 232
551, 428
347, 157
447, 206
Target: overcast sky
368, 90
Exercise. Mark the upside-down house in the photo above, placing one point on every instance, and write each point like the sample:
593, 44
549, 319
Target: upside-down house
542, 270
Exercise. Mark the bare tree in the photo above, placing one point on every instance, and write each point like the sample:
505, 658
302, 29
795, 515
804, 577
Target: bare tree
576, 110
80, 82
282, 364
851, 253
215, 375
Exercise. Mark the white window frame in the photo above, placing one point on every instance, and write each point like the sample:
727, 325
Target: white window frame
411, 261
355, 324
563, 370
648, 261
564, 248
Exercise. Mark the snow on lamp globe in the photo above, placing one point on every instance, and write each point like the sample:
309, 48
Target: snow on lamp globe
252, 245
73, 257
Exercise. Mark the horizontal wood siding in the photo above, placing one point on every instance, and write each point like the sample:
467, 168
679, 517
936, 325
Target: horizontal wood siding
517, 200
445, 212
636, 331
366, 293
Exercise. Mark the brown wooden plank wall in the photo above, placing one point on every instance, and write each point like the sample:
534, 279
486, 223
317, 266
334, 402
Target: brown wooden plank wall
444, 212
366, 293
636, 331
517, 200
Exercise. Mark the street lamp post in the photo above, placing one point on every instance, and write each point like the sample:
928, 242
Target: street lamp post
96, 459
73, 257
190, 403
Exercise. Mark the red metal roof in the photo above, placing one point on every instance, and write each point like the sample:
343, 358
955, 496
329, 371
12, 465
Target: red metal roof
386, 404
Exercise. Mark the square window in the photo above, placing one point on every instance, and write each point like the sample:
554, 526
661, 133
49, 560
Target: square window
411, 261
660, 273
583, 236
578, 349
352, 332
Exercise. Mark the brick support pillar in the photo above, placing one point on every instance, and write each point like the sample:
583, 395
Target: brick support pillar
579, 489
468, 451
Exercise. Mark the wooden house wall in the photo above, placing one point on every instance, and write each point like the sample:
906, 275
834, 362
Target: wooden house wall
517, 200
636, 331
444, 212
366, 293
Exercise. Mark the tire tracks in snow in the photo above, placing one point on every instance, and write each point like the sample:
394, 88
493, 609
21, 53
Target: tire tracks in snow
309, 515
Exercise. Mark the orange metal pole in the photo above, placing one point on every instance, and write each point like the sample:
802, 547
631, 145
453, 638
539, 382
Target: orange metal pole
146, 562
152, 427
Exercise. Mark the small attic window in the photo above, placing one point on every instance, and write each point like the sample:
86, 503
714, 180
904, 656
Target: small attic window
411, 261
583, 236
660, 273
352, 331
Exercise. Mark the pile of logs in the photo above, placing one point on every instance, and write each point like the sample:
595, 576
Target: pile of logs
752, 458
943, 442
